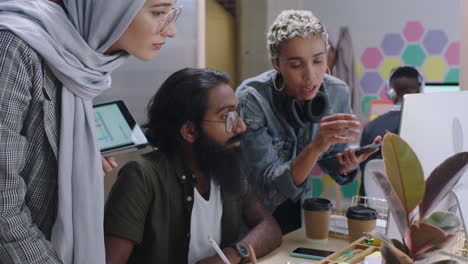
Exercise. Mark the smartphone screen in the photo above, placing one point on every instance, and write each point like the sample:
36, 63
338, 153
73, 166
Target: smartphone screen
313, 251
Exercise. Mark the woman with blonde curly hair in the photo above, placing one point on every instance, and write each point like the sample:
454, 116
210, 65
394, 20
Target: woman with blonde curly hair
298, 116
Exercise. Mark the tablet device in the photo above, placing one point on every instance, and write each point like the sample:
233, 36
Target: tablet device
116, 130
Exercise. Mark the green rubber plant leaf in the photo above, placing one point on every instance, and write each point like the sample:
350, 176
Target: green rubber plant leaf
445, 261
442, 180
394, 204
448, 222
436, 248
391, 253
404, 171
425, 240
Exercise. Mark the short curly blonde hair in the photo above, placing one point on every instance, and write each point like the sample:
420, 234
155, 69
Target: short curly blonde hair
294, 23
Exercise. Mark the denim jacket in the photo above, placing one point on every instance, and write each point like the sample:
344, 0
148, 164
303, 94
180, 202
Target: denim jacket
270, 143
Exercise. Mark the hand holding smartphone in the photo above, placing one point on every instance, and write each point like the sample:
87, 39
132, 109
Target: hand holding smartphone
366, 148
357, 151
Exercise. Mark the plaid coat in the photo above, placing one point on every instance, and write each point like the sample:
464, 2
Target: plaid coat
29, 139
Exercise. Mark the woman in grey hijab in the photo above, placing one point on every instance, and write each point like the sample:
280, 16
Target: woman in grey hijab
53, 62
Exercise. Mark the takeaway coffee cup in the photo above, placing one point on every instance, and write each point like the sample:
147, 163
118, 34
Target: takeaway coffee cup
360, 219
317, 218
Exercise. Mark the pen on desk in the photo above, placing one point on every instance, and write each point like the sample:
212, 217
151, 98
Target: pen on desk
218, 250
252, 256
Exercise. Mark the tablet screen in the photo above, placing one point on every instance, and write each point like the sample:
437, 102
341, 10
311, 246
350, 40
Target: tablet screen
115, 127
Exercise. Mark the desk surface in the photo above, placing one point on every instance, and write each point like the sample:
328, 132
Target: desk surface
298, 239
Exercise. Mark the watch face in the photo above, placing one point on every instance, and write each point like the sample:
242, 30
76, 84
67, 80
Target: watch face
242, 249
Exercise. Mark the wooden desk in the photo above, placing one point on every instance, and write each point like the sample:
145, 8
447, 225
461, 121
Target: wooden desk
298, 239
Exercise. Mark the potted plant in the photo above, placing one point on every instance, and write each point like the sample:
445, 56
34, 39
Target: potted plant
411, 201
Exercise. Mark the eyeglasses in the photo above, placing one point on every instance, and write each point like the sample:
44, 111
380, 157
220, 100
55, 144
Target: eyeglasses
231, 121
168, 19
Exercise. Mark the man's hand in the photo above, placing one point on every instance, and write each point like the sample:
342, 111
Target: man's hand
230, 254
108, 164
336, 128
349, 161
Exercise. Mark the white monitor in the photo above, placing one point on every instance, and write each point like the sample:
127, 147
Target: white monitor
435, 125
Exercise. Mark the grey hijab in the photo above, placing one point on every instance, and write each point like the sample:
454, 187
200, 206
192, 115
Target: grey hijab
72, 44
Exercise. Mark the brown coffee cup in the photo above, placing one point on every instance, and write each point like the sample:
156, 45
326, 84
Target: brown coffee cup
360, 219
317, 218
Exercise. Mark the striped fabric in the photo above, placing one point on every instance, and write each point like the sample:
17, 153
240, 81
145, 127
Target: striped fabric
29, 114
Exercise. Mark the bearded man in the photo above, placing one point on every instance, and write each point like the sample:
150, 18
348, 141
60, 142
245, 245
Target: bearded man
164, 206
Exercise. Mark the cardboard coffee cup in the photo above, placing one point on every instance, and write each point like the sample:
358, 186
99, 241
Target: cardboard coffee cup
360, 219
317, 218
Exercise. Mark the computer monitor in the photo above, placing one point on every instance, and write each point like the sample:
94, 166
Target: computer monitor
435, 125
434, 87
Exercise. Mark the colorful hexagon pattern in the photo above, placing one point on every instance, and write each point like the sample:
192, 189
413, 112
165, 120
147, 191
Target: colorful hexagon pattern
371, 58
383, 92
452, 55
413, 31
453, 76
365, 104
429, 50
388, 65
371, 82
392, 44
434, 41
413, 55
317, 187
350, 189
359, 69
434, 69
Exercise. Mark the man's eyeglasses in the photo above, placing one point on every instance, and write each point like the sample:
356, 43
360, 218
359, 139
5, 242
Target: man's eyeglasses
231, 121
168, 19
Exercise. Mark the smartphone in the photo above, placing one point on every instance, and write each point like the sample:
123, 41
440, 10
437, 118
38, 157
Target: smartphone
357, 151
310, 253
366, 148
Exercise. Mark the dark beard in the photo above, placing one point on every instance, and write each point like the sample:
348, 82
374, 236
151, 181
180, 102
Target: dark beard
220, 162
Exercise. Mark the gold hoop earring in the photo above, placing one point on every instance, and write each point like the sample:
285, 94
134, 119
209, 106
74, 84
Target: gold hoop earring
274, 83
328, 70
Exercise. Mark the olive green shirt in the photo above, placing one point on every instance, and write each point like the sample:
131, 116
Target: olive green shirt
151, 204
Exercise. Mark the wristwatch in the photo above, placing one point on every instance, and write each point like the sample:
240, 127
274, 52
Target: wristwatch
241, 250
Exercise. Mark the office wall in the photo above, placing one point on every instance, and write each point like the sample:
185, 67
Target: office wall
386, 34
253, 19
464, 46
221, 40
